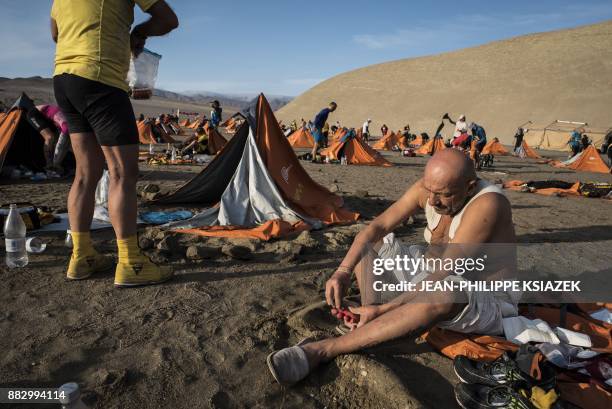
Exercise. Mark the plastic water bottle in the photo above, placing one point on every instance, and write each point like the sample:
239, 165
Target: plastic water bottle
151, 149
14, 239
173, 156
70, 396
68, 241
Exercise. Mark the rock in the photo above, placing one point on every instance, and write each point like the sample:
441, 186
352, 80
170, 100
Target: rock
361, 193
145, 243
252, 245
202, 253
237, 252
150, 188
287, 252
334, 188
150, 196
170, 244
305, 239
159, 256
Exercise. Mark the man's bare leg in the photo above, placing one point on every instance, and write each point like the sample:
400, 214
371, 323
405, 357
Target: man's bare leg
407, 319
89, 168
123, 171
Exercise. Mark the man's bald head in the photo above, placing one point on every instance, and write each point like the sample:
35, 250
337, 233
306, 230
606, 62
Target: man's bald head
449, 178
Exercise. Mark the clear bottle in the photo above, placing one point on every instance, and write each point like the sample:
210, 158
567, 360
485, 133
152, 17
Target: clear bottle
68, 241
173, 156
70, 396
151, 149
14, 239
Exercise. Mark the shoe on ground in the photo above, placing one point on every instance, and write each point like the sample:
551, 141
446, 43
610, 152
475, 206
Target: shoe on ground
488, 397
142, 272
82, 267
502, 371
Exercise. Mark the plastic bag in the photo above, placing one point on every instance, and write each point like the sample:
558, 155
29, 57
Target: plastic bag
102, 190
143, 74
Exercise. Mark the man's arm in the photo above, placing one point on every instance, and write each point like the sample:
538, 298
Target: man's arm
54, 31
162, 21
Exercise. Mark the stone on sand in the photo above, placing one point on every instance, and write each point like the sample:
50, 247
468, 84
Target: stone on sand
237, 252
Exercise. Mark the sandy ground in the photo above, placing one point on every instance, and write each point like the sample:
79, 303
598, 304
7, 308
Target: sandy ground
202, 339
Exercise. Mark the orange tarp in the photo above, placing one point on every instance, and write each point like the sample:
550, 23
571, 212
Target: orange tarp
304, 194
301, 139
551, 191
585, 394
271, 229
530, 153
494, 147
8, 126
434, 145
589, 161
389, 141
356, 152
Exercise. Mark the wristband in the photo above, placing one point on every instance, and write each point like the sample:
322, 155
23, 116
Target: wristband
344, 269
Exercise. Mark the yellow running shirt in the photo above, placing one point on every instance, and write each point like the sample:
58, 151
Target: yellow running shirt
94, 38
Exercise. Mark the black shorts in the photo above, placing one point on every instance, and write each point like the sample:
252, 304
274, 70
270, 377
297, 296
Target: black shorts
38, 121
90, 106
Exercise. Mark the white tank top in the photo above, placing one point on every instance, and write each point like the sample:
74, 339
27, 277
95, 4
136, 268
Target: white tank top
433, 218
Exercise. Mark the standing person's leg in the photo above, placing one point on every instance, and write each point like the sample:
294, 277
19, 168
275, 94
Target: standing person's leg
114, 123
89, 165
317, 136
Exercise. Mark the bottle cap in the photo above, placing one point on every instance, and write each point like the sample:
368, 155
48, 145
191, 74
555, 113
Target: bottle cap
70, 392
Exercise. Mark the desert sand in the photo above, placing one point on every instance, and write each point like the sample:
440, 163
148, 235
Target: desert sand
563, 75
201, 340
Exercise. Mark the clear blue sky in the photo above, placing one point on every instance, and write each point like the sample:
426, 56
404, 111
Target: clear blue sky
287, 46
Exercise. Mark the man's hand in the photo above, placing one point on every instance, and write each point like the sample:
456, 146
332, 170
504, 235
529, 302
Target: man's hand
366, 313
336, 287
137, 43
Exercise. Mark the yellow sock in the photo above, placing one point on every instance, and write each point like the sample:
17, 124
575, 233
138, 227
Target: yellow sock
81, 244
129, 252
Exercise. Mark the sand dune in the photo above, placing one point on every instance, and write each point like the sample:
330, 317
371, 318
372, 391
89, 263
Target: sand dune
540, 77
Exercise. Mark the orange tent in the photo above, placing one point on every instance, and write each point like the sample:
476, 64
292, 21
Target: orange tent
194, 124
301, 138
389, 141
146, 136
418, 141
434, 145
356, 152
494, 147
588, 160
258, 188
216, 142
528, 152
185, 122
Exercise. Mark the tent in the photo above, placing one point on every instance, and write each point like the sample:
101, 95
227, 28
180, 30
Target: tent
185, 122
495, 148
434, 145
417, 142
257, 186
20, 144
232, 124
527, 152
355, 150
555, 135
216, 142
146, 134
301, 138
588, 160
388, 142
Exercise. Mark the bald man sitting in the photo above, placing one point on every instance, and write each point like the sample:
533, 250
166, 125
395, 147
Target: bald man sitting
460, 209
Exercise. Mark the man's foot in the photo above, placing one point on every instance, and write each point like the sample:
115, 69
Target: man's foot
290, 365
82, 267
141, 272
